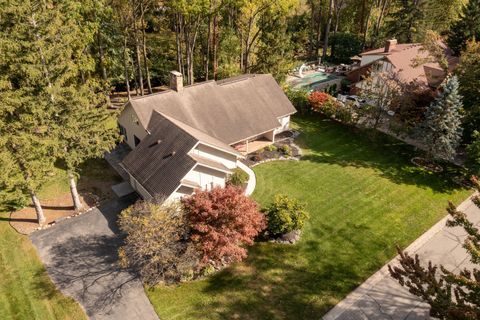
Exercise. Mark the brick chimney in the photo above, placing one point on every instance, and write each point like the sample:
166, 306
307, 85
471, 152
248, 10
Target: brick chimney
390, 45
176, 81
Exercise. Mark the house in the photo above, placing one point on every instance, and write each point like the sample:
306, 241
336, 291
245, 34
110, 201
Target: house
409, 61
192, 137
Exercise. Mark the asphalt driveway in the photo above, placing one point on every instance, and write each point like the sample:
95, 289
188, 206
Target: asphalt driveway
80, 255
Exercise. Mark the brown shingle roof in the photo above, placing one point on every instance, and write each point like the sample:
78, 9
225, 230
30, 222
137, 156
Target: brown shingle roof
230, 110
407, 61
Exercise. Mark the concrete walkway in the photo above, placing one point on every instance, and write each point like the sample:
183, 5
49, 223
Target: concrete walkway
252, 180
80, 255
381, 297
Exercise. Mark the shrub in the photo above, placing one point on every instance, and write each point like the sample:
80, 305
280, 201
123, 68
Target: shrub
238, 177
299, 99
285, 215
222, 222
157, 246
324, 103
473, 152
286, 150
317, 99
271, 147
345, 113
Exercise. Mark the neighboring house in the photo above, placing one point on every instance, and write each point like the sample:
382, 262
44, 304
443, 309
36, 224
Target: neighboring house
192, 137
409, 61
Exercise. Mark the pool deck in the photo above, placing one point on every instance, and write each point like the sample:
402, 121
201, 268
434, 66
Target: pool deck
321, 80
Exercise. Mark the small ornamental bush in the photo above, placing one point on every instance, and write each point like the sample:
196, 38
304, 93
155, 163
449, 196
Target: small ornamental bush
222, 222
271, 147
286, 150
345, 114
299, 99
156, 246
238, 177
318, 99
285, 215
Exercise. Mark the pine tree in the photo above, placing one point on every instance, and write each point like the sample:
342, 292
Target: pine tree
87, 130
407, 22
468, 72
467, 28
441, 130
50, 107
28, 125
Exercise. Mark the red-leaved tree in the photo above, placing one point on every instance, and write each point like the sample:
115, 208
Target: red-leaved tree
317, 99
222, 222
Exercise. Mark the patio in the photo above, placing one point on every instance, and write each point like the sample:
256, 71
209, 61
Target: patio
252, 146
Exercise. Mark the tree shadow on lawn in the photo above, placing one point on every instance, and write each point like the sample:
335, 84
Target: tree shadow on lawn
86, 268
333, 143
288, 281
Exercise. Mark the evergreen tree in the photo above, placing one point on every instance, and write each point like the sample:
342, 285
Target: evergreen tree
28, 125
88, 130
406, 24
441, 129
468, 72
49, 107
467, 28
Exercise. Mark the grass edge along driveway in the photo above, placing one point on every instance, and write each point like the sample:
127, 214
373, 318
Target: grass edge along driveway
364, 196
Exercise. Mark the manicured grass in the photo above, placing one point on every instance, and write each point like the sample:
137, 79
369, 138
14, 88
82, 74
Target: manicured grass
26, 291
364, 197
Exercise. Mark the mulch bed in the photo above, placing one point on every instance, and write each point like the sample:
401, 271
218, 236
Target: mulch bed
427, 164
24, 221
266, 154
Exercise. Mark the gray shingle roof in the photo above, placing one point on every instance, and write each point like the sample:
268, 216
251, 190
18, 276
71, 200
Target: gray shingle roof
161, 161
230, 110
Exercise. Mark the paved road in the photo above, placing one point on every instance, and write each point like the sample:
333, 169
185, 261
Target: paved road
381, 297
80, 255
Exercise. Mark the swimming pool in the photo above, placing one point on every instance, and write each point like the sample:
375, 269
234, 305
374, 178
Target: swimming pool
312, 81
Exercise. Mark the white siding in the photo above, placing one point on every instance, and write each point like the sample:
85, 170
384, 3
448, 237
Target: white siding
206, 177
181, 192
284, 124
227, 159
366, 59
139, 188
128, 119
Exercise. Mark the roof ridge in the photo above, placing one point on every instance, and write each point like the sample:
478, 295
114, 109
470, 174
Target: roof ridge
171, 90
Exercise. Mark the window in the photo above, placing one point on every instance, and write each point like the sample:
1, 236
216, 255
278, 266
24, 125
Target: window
123, 131
136, 140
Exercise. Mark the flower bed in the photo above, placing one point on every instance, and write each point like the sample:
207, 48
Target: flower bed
427, 164
284, 149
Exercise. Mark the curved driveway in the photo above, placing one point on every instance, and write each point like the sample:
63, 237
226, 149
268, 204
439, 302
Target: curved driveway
80, 255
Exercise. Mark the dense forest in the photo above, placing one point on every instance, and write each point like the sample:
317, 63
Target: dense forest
141, 40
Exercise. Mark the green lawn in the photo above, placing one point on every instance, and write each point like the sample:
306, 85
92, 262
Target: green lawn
26, 291
363, 196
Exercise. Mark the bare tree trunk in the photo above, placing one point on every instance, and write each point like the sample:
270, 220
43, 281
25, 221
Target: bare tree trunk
137, 50
209, 39
38, 207
144, 46
319, 32
101, 57
77, 204
125, 65
215, 46
327, 30
178, 37
366, 26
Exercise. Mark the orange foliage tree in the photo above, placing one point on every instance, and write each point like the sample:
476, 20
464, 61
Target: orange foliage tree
222, 221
